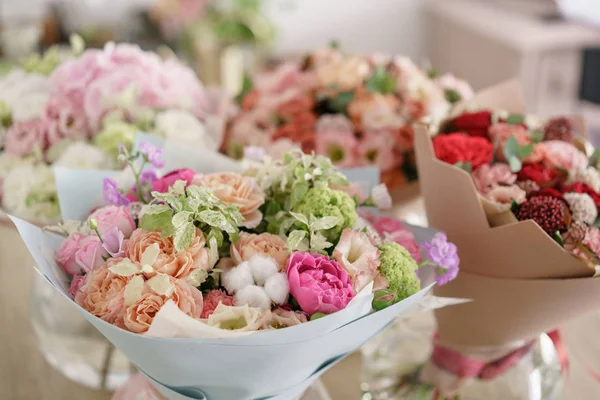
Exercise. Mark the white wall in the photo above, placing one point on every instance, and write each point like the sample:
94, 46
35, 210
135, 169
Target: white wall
393, 26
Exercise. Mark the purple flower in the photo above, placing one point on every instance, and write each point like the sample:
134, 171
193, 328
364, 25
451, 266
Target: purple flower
112, 195
444, 255
153, 153
148, 176
112, 242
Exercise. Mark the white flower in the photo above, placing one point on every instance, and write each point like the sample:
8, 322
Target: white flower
10, 161
358, 256
253, 296
81, 155
381, 197
30, 192
25, 94
182, 126
277, 288
460, 86
582, 207
242, 318
262, 268
237, 278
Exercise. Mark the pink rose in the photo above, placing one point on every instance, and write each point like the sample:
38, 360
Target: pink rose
102, 293
163, 184
488, 176
358, 256
76, 284
318, 283
340, 147
90, 252
66, 117
139, 316
559, 154
114, 216
266, 244
65, 255
505, 194
238, 190
23, 137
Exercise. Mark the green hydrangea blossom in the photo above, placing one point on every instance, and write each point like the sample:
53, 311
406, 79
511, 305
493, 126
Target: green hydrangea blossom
323, 201
399, 269
115, 134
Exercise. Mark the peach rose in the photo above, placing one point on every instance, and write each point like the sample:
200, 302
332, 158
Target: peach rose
365, 102
168, 261
504, 194
241, 191
559, 154
250, 244
102, 293
139, 316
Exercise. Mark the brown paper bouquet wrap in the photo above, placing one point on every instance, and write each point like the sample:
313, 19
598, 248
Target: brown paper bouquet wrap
521, 281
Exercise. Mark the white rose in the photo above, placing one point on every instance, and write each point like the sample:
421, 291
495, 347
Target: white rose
240, 319
30, 192
25, 94
81, 155
182, 126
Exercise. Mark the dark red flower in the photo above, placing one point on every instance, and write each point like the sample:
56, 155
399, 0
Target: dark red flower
552, 192
460, 147
559, 129
538, 173
579, 187
548, 212
473, 124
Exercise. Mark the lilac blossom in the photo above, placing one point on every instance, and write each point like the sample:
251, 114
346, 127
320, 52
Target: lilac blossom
112, 195
444, 256
153, 153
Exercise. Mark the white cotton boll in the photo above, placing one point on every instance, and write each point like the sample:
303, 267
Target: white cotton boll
277, 288
237, 278
262, 268
253, 296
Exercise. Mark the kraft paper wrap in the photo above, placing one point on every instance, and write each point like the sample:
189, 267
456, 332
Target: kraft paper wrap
522, 282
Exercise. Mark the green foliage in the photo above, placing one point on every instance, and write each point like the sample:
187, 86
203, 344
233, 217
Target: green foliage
452, 96
381, 81
515, 153
464, 165
515, 119
399, 269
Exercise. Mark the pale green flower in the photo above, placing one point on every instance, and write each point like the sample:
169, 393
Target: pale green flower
115, 134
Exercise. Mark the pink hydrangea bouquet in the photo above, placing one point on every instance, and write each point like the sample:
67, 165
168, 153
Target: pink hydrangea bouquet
229, 259
356, 110
78, 115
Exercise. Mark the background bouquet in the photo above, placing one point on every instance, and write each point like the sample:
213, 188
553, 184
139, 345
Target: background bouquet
354, 109
549, 275
87, 106
218, 257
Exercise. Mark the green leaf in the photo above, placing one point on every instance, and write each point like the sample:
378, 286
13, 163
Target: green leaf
181, 218
339, 179
298, 192
217, 234
511, 147
334, 44
247, 86
300, 217
381, 81
464, 166
217, 219
340, 103
325, 223
158, 218
433, 73
184, 236
515, 119
295, 238
317, 316
536, 136
318, 243
452, 96
515, 164
514, 206
525, 151
558, 238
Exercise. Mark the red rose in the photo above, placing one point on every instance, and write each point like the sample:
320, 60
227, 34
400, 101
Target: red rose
460, 147
552, 192
579, 187
473, 124
538, 173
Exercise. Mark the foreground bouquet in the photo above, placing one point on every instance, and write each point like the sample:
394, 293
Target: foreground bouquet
226, 260
86, 106
267, 249
356, 110
519, 203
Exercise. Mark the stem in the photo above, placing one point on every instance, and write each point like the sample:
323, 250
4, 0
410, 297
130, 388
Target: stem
138, 184
106, 366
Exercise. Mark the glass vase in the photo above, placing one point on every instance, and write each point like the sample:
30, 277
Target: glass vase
393, 360
71, 344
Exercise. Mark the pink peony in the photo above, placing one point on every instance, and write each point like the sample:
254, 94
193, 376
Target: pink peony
24, 136
90, 253
376, 148
114, 216
249, 244
65, 255
505, 194
358, 256
488, 176
318, 283
76, 283
340, 147
163, 184
213, 299
102, 293
238, 190
564, 155
139, 316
